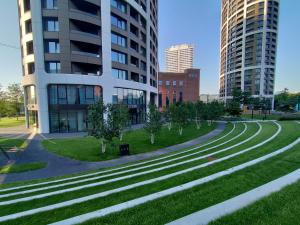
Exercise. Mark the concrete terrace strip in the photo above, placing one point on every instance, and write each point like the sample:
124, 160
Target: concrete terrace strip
119, 168
60, 166
136, 169
106, 193
170, 191
212, 213
115, 179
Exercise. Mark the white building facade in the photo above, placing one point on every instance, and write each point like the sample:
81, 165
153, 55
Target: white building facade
75, 51
179, 58
248, 47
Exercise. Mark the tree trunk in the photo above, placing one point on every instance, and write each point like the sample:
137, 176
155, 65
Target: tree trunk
180, 131
169, 126
103, 144
198, 124
121, 136
152, 139
209, 123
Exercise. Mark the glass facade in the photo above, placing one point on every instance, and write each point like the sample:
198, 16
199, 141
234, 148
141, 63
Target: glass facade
68, 105
135, 100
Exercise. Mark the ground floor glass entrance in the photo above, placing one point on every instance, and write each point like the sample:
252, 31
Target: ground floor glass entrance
66, 121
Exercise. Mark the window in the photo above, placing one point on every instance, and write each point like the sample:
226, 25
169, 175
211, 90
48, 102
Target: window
118, 40
29, 48
181, 83
160, 83
118, 22
26, 5
180, 97
120, 5
53, 67
30, 68
50, 4
143, 66
119, 57
51, 24
167, 101
28, 26
159, 100
143, 51
168, 83
52, 46
174, 97
120, 74
174, 83
30, 95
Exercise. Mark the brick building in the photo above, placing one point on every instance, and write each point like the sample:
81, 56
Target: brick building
178, 87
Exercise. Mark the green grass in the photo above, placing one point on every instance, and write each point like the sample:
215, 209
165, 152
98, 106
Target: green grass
7, 143
228, 128
280, 208
88, 148
19, 168
173, 207
11, 122
260, 117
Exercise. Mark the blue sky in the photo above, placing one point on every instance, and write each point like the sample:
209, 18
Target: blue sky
181, 21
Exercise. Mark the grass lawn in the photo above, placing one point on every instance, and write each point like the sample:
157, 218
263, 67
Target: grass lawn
22, 167
173, 207
11, 143
260, 117
280, 208
11, 122
88, 148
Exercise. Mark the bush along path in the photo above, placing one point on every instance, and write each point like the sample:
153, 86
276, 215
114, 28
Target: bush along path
161, 190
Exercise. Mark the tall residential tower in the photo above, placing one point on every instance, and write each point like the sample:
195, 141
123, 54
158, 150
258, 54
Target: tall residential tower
248, 47
75, 51
179, 58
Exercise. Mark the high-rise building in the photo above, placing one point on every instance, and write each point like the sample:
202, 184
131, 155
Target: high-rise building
179, 58
248, 47
75, 51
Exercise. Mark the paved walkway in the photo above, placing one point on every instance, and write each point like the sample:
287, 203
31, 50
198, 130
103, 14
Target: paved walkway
212, 213
19, 132
59, 166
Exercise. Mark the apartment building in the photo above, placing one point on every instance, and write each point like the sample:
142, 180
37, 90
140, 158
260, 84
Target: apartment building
76, 51
179, 58
249, 30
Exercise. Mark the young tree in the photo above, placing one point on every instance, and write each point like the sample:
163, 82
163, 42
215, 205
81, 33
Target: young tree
97, 121
199, 113
179, 116
120, 118
15, 97
167, 117
234, 108
153, 122
216, 110
3, 103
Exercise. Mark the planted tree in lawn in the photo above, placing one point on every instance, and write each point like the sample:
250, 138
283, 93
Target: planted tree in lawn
15, 97
190, 106
199, 113
120, 118
3, 103
103, 129
179, 116
167, 117
153, 123
216, 110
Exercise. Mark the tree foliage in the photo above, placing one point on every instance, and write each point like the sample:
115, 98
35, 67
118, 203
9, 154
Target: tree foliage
179, 116
153, 123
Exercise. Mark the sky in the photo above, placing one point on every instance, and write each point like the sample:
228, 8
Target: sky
180, 21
